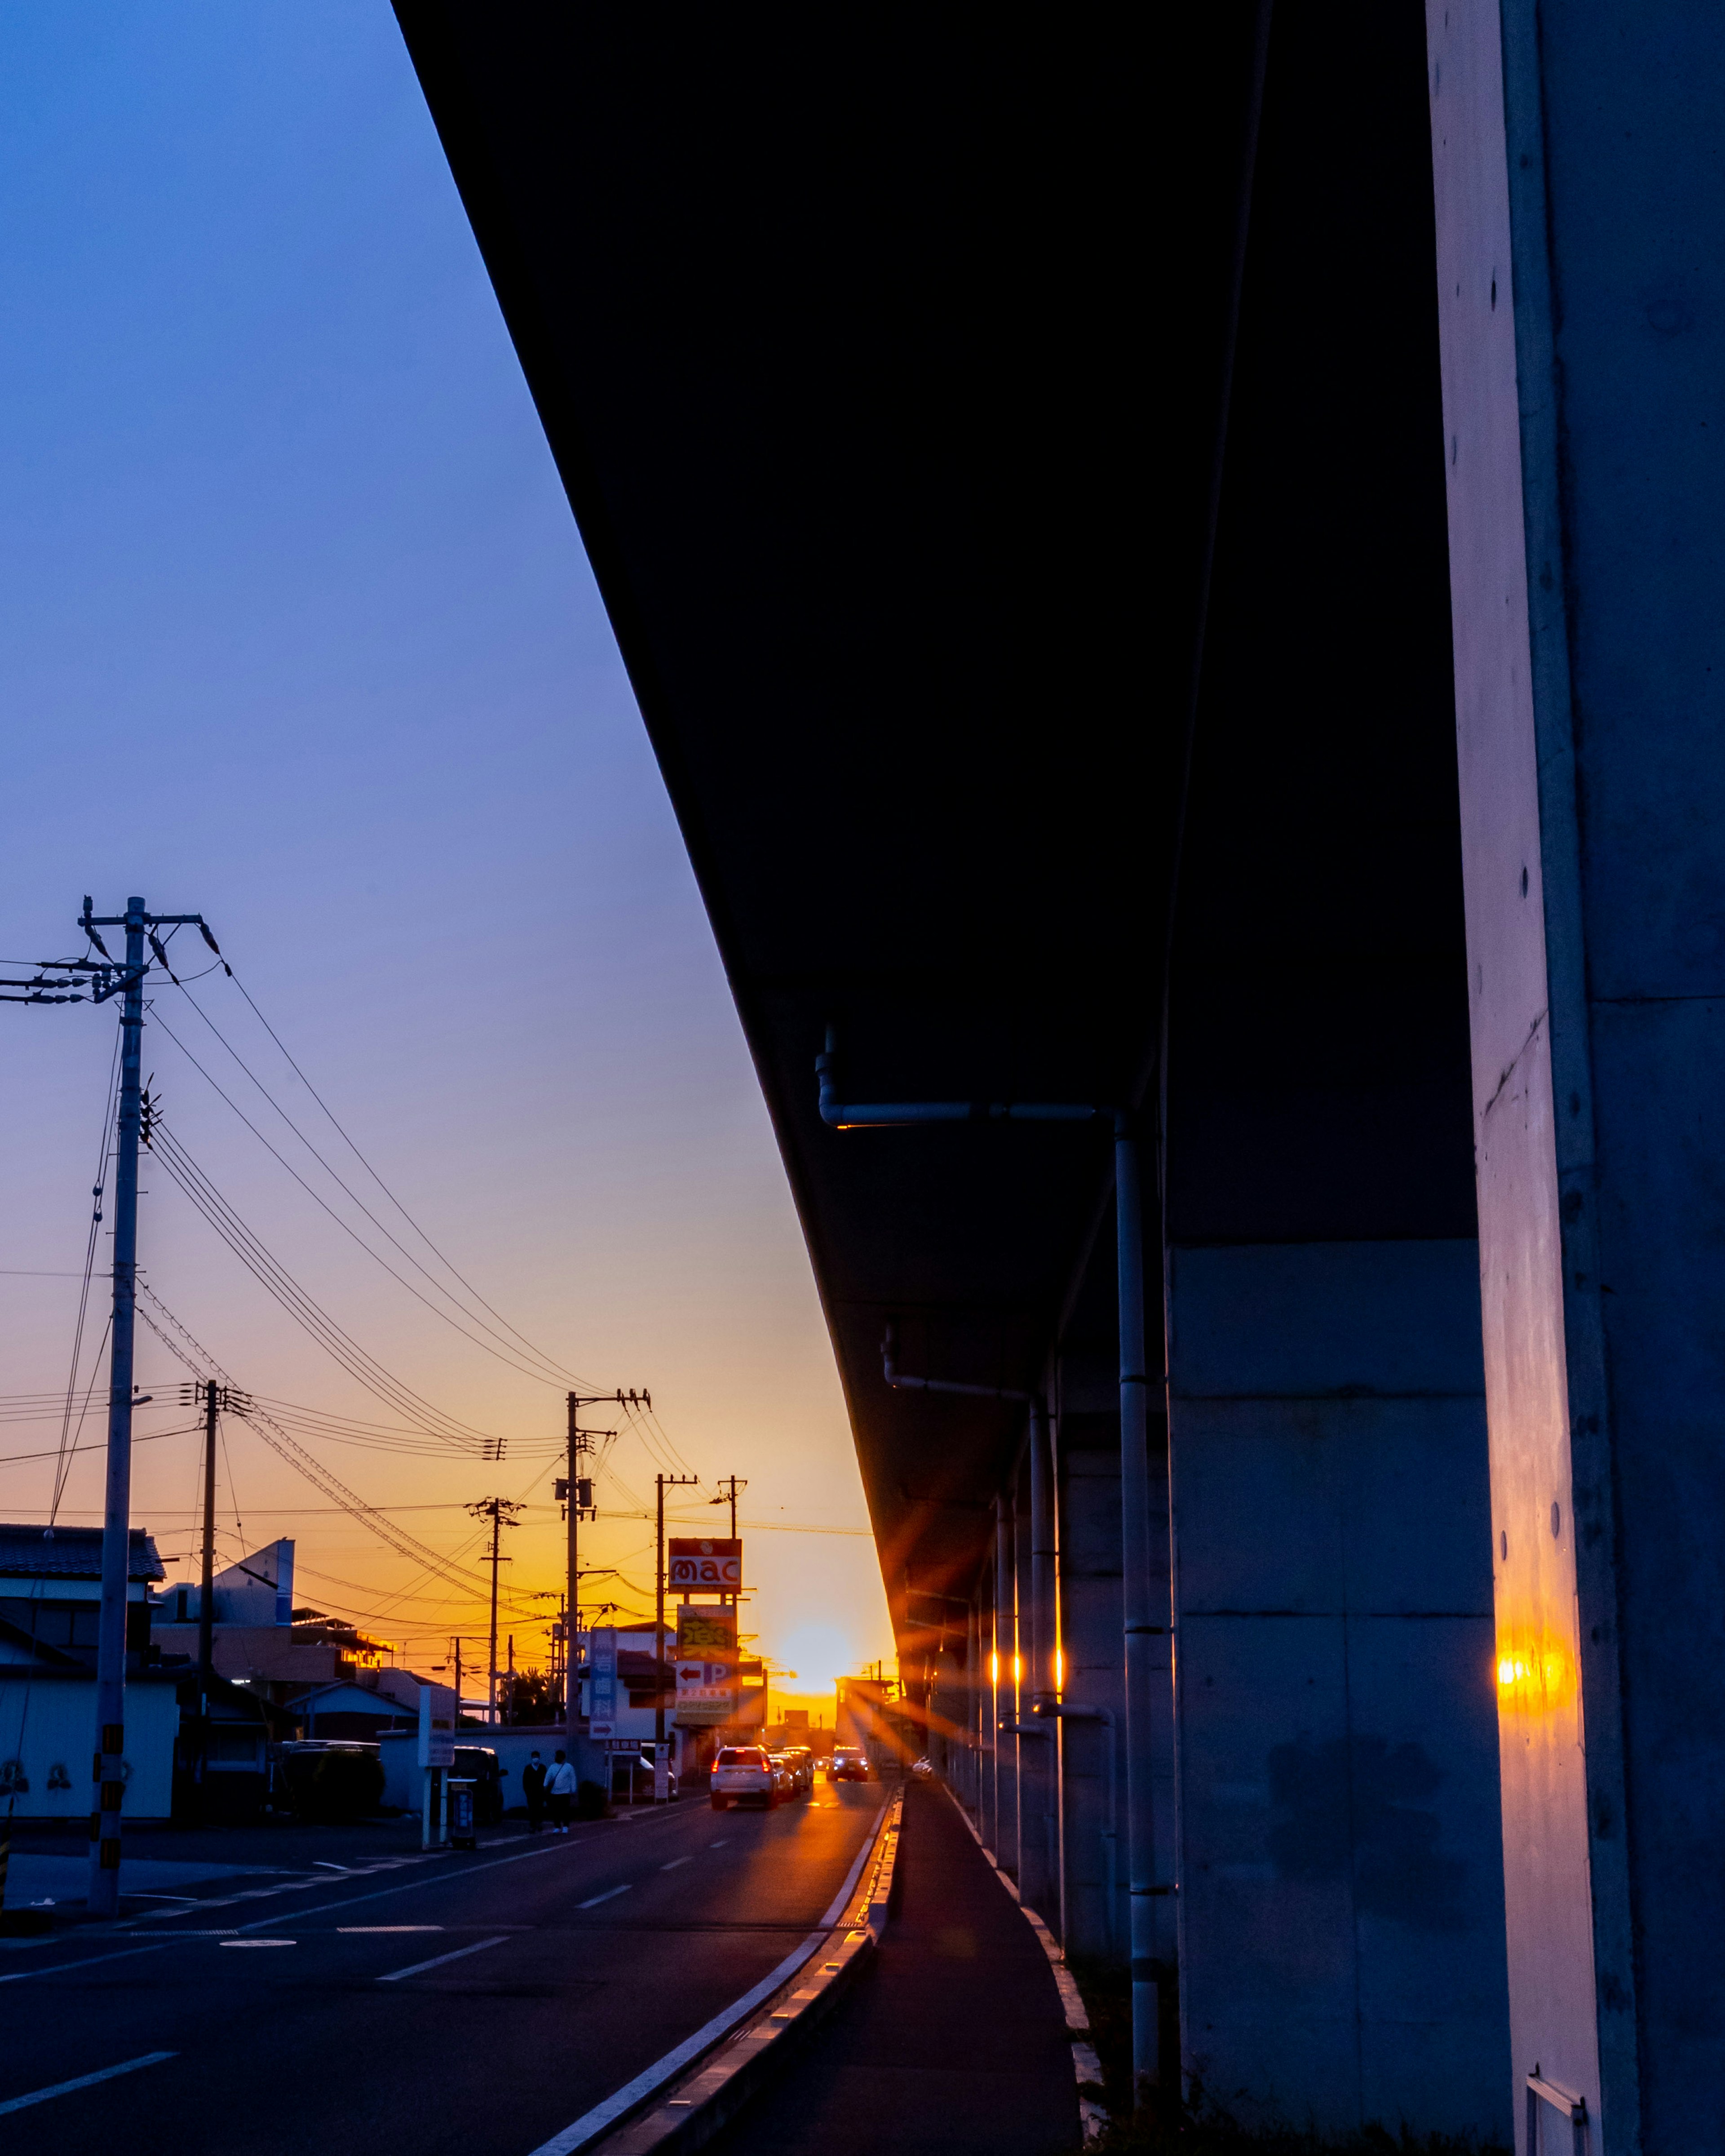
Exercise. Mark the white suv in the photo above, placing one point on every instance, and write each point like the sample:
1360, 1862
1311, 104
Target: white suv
740, 1772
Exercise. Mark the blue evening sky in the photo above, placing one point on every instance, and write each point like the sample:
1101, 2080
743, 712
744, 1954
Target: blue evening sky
296, 629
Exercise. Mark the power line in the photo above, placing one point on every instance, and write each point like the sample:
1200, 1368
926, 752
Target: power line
568, 1377
512, 1360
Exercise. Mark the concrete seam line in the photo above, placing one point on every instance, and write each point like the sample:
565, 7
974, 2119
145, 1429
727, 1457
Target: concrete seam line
1086, 2068
615, 2115
85, 2081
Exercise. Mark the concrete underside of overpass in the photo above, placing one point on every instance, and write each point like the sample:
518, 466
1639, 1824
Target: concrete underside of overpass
1024, 462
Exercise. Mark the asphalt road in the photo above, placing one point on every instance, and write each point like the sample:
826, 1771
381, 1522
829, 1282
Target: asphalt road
478, 2002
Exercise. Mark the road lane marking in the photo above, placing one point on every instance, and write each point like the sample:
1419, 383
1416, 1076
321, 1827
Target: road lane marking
68, 1968
720, 1844
593, 2123
86, 2081
610, 1897
349, 1931
837, 1910
437, 1961
675, 1862
260, 1942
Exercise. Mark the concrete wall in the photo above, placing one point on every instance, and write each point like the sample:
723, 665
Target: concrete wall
1340, 1893
49, 1724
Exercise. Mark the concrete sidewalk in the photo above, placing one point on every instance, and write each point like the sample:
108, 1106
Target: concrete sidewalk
954, 2043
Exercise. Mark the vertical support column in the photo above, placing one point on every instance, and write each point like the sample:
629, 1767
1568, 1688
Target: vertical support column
104, 1891
1581, 234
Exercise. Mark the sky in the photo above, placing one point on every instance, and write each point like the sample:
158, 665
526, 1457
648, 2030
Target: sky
296, 632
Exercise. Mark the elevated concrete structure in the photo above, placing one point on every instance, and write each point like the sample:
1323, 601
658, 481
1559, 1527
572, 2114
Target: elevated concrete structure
1059, 696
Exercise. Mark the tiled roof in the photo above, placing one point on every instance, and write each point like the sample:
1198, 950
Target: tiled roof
34, 1553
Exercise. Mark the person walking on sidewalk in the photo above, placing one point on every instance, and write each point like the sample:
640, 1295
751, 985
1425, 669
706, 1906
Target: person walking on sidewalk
533, 1790
560, 1792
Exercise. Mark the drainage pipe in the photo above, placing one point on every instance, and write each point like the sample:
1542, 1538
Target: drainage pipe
1006, 1651
1061, 1712
903, 1382
1045, 1690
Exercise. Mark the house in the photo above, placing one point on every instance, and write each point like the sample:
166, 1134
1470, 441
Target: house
51, 1587
369, 1704
259, 1640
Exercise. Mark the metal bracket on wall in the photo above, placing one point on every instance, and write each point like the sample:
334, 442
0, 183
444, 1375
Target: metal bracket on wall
1573, 2108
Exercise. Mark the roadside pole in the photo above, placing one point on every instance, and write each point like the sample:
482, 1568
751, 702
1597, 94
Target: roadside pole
665, 1482
90, 980
103, 1899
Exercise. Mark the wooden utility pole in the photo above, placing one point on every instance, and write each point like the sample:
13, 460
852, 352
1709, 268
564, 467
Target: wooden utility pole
665, 1482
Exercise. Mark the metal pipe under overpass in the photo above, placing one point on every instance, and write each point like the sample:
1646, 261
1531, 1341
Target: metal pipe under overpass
1139, 1590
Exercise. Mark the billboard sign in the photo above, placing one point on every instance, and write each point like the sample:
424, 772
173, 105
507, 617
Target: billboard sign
436, 1726
602, 1681
707, 1664
703, 1565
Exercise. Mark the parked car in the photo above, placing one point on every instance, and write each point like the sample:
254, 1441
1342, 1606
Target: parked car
478, 1763
743, 1775
849, 1763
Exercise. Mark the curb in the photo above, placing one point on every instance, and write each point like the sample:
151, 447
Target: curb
687, 2113
1087, 2067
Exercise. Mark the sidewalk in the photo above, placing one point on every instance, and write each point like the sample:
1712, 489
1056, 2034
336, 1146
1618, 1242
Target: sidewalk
954, 2043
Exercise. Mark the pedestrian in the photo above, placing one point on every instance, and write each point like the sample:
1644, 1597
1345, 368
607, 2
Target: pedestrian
533, 1790
560, 1792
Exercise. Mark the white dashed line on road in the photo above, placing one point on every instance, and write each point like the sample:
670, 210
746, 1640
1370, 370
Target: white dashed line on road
597, 1898
437, 1961
86, 2081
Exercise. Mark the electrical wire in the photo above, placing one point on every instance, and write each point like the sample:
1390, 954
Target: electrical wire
274, 1276
568, 1376
67, 1440
512, 1360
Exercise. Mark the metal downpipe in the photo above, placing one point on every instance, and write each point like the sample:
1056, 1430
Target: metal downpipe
1140, 1601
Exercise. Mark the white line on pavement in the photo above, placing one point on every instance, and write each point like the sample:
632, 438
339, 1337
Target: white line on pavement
86, 2081
597, 1898
851, 1876
593, 2123
437, 1961
71, 1968
360, 1930
675, 1862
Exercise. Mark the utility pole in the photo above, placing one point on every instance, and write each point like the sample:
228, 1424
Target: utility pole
500, 1512
214, 1398
729, 1489
90, 980
576, 1489
665, 1482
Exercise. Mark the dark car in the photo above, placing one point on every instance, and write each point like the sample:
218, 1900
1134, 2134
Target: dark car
478, 1763
849, 1763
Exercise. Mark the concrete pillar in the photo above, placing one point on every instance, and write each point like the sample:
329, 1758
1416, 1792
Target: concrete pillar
1581, 284
1340, 1899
